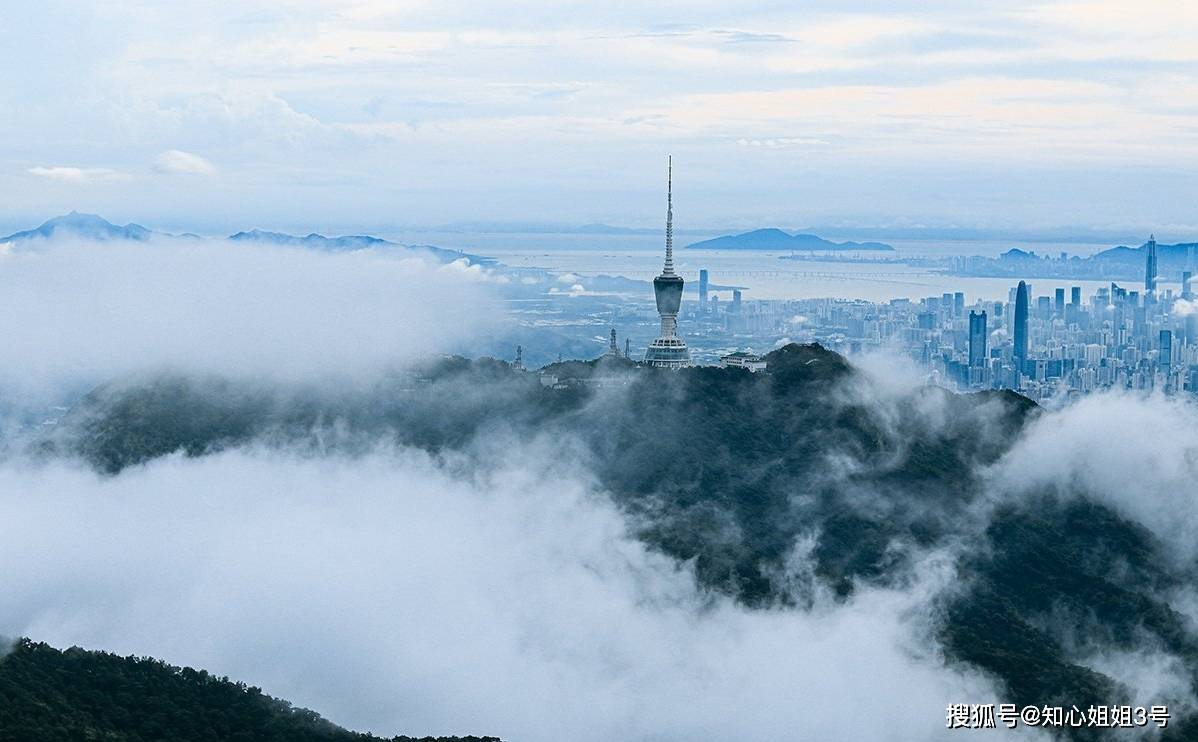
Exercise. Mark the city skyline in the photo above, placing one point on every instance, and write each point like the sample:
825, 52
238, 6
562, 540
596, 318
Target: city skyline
1049, 350
1120, 339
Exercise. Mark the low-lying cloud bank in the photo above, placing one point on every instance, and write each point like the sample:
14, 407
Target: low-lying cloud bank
75, 313
394, 596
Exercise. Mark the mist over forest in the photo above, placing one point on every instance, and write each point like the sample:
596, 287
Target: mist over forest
339, 502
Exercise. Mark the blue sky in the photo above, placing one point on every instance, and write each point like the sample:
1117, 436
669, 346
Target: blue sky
340, 115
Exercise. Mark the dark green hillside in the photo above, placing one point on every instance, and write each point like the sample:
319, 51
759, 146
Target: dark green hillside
1051, 576
120, 425
728, 471
49, 695
729, 467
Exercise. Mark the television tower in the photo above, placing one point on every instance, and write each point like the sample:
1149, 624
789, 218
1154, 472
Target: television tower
669, 350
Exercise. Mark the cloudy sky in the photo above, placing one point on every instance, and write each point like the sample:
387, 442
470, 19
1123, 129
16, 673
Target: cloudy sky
364, 114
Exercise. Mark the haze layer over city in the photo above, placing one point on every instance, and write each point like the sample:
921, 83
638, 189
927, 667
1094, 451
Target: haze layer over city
469, 371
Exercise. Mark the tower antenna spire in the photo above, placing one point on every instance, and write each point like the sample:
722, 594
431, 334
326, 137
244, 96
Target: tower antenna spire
669, 267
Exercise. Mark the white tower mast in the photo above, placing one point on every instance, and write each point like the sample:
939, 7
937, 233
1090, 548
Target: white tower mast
669, 350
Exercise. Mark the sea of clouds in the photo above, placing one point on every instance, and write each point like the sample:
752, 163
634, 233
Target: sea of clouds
503, 594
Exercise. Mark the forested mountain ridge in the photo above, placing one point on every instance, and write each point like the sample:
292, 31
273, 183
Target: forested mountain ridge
48, 694
727, 471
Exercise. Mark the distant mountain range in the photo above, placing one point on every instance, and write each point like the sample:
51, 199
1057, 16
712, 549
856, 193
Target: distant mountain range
93, 227
1176, 257
776, 239
1179, 253
87, 226
1120, 263
314, 240
1054, 235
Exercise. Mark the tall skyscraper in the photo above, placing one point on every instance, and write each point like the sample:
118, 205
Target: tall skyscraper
1073, 310
977, 339
736, 301
1186, 292
959, 304
1166, 359
703, 290
1058, 303
1044, 308
669, 350
1021, 307
1150, 264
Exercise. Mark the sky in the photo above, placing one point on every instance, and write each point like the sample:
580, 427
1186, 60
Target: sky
361, 114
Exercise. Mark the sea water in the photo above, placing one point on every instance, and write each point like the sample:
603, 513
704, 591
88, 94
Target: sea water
761, 274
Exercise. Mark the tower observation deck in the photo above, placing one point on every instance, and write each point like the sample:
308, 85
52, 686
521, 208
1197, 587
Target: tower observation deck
669, 350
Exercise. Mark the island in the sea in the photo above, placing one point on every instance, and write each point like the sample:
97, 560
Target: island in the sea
776, 239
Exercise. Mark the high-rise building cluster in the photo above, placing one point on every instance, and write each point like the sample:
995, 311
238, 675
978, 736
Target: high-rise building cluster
1040, 345
1120, 338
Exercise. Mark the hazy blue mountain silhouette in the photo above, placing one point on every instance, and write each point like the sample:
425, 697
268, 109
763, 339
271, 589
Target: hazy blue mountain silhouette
776, 239
87, 226
93, 227
314, 240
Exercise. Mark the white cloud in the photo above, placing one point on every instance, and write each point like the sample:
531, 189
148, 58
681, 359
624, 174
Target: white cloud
1137, 455
78, 313
394, 596
1153, 676
78, 174
1185, 307
781, 142
179, 162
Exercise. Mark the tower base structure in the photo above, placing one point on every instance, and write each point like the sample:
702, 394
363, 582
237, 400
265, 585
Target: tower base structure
668, 352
